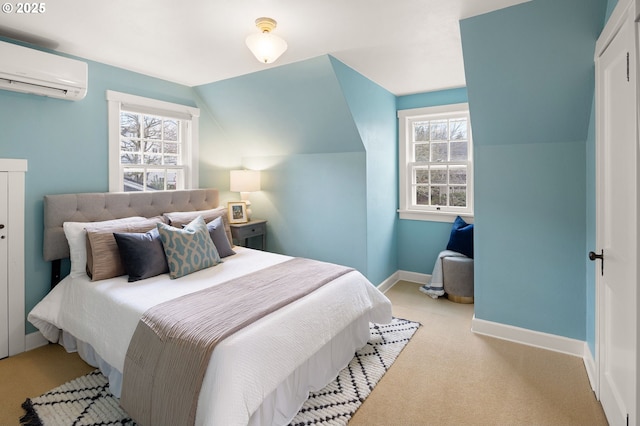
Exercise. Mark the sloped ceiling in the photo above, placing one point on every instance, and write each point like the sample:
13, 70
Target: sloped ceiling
524, 85
293, 109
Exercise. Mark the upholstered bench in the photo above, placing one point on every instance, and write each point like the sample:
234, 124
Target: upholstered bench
457, 278
453, 270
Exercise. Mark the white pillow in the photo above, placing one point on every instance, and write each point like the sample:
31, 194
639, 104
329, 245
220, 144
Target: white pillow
77, 239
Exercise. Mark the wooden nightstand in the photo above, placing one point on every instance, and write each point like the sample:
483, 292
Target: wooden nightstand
241, 232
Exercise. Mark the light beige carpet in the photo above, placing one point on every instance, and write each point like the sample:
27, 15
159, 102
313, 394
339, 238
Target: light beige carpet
446, 375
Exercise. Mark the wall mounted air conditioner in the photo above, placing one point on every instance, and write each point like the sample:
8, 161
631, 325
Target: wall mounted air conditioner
40, 73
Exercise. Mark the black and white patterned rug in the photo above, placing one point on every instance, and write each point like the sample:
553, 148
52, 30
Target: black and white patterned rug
87, 401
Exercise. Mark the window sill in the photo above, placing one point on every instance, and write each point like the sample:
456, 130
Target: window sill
434, 216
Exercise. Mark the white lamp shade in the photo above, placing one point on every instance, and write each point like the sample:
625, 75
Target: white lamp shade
266, 47
244, 181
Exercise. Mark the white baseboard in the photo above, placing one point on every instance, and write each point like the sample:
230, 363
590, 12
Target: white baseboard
386, 285
590, 366
524, 336
414, 277
403, 276
34, 340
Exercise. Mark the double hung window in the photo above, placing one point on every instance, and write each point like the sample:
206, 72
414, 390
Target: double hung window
436, 167
152, 144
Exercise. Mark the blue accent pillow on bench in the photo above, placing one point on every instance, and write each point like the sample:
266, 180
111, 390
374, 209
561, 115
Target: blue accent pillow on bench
461, 239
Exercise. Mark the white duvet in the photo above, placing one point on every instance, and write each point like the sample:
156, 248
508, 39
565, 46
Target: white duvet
261, 374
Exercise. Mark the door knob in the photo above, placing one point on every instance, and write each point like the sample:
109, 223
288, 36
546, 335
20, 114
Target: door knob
594, 256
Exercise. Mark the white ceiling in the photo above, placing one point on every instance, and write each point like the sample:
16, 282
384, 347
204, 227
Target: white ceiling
406, 46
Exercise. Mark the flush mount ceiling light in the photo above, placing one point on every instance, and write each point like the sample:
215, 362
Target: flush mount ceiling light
265, 46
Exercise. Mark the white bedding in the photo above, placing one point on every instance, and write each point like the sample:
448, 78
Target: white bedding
254, 376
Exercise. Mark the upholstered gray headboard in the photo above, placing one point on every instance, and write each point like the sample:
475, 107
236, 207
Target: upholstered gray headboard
92, 207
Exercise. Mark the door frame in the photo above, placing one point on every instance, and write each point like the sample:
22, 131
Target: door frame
624, 10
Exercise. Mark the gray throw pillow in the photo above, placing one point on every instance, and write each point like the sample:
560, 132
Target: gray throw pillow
219, 237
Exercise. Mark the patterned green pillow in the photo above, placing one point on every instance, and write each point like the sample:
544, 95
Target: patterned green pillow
189, 249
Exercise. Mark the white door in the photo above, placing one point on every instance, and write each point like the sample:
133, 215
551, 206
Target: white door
617, 228
4, 290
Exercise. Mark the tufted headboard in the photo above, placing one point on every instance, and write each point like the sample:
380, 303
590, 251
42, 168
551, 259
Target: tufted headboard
92, 207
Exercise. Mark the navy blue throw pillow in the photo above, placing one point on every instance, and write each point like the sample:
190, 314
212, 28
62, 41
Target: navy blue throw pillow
142, 254
461, 239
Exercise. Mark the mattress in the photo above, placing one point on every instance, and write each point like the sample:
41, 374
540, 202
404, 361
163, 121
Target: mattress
261, 374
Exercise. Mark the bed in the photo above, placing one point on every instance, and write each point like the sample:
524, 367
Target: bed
259, 375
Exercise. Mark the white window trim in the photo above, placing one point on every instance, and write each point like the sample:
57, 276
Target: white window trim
406, 211
117, 101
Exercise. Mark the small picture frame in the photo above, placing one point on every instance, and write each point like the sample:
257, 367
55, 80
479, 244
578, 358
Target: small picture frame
237, 212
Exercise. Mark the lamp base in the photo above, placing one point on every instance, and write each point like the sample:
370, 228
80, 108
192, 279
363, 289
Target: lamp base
244, 196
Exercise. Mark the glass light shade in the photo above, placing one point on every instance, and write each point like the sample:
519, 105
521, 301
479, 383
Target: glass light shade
266, 47
244, 181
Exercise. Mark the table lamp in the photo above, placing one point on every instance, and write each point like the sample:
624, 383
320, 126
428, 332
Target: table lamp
244, 182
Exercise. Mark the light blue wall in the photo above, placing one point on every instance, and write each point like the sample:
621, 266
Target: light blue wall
66, 146
529, 236
419, 242
292, 109
530, 98
315, 205
315, 128
373, 110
